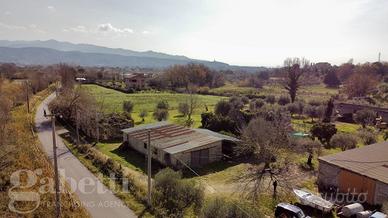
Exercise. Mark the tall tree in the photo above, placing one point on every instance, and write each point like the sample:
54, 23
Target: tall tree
328, 111
331, 80
294, 68
67, 74
361, 82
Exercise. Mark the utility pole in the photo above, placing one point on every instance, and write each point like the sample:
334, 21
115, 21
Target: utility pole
27, 96
149, 157
57, 192
77, 125
97, 128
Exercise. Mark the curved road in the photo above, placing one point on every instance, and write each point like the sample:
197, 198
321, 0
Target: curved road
95, 197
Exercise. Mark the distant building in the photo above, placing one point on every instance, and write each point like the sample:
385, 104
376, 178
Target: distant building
363, 170
346, 111
176, 146
134, 81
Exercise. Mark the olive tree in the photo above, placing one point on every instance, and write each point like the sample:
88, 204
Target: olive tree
343, 141
365, 117
172, 196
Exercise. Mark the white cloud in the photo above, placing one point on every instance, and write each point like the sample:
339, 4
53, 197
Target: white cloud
145, 32
11, 27
107, 27
7, 13
79, 28
51, 8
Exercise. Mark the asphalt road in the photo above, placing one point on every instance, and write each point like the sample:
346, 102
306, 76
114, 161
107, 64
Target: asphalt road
95, 197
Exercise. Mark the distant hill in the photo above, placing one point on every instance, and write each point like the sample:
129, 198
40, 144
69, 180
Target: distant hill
53, 52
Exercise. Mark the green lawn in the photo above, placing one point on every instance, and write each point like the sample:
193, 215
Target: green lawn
112, 102
232, 89
305, 92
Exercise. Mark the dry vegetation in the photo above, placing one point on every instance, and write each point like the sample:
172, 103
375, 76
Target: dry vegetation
20, 149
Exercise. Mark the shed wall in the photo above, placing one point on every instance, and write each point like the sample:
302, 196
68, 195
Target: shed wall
351, 182
328, 174
215, 152
381, 193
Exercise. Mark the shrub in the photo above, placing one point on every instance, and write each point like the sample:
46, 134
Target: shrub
367, 137
343, 141
83, 148
245, 99
324, 132
306, 145
293, 108
143, 113
365, 117
128, 106
218, 123
256, 104
315, 102
172, 195
162, 105
222, 108
301, 106
237, 103
160, 114
221, 207
283, 100
183, 108
270, 99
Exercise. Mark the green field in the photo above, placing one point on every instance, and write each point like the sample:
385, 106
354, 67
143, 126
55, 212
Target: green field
112, 101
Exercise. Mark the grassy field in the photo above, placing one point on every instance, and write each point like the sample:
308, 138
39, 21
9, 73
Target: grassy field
232, 89
112, 102
320, 91
306, 92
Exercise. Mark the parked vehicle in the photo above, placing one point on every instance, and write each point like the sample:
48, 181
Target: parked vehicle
285, 210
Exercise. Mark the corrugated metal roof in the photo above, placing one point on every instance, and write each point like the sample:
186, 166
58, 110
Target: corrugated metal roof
218, 135
173, 138
370, 161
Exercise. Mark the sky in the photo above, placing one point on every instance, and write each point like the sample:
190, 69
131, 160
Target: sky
239, 32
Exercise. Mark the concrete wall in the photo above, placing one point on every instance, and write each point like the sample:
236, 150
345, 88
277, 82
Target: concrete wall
381, 193
215, 154
328, 174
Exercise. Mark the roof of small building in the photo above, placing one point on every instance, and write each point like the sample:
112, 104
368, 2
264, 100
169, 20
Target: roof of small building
370, 161
360, 106
173, 138
133, 75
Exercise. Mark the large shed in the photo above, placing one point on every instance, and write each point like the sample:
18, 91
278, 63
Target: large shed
362, 170
176, 146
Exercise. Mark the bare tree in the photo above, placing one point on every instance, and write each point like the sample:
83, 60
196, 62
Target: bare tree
294, 67
192, 102
67, 74
266, 140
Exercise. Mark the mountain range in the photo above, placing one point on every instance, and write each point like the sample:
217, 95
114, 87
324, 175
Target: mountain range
54, 52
